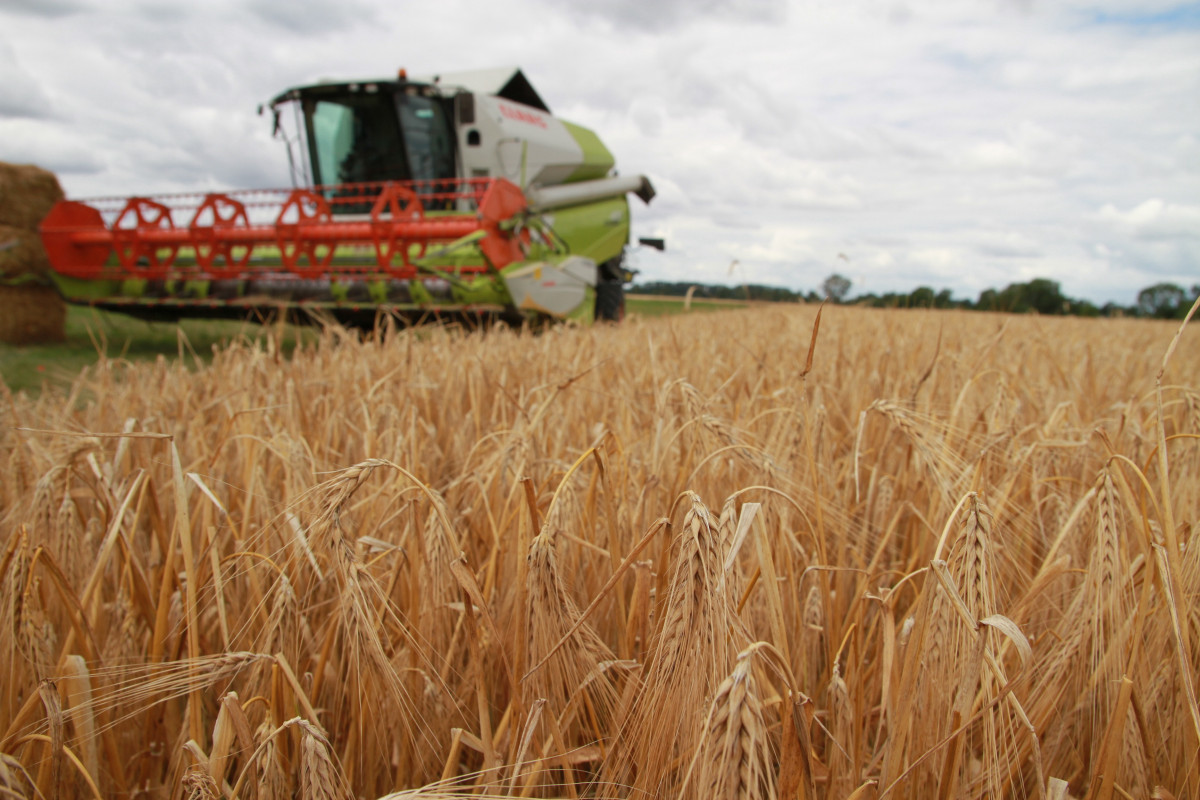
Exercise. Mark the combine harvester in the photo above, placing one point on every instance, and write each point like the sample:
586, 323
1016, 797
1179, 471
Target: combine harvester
458, 196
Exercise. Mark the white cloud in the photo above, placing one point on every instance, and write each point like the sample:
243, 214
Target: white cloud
1157, 240
308, 17
953, 145
41, 8
623, 14
1155, 220
1011, 244
47, 144
1027, 147
20, 94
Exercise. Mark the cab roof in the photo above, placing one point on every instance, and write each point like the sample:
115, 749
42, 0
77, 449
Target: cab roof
507, 82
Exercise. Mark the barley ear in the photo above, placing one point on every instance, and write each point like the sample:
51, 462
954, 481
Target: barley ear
199, 785
14, 780
319, 777
733, 759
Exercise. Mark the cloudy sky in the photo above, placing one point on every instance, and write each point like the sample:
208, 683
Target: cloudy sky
959, 144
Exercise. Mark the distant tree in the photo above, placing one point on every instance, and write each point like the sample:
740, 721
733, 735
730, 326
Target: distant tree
836, 287
1162, 301
886, 300
1013, 298
775, 294
893, 300
1045, 296
663, 288
921, 297
1041, 295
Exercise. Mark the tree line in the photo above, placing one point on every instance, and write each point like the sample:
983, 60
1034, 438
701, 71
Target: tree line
1041, 295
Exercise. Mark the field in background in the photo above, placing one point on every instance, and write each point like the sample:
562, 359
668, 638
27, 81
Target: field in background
957, 557
653, 306
91, 331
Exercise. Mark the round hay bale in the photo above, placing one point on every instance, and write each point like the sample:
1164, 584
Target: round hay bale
22, 254
31, 315
27, 193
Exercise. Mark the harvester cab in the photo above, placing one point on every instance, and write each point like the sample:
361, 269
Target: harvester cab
459, 194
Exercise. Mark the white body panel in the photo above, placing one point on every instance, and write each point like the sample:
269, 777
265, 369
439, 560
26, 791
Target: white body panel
556, 289
517, 142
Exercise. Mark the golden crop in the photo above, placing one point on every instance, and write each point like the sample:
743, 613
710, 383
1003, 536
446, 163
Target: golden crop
955, 555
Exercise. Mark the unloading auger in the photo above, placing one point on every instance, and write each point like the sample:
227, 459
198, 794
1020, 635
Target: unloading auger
448, 196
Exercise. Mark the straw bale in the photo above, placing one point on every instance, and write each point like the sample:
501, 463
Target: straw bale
21, 254
27, 194
31, 315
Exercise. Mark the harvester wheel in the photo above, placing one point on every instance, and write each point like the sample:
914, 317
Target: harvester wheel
610, 291
610, 300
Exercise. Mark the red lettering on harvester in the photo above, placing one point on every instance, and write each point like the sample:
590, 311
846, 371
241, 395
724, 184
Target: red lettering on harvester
521, 115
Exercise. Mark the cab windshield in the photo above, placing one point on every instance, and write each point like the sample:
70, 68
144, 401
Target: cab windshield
354, 138
428, 141
358, 136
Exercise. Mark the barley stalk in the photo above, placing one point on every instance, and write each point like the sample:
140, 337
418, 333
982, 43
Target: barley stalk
441, 550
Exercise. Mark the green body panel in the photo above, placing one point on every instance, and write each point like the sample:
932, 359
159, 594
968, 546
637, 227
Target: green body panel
420, 294
598, 230
198, 289
482, 290
85, 291
598, 161
586, 311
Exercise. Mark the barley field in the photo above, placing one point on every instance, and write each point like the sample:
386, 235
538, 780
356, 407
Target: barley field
898, 554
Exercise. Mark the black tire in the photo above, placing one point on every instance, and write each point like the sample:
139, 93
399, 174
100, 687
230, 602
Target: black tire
610, 291
610, 301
